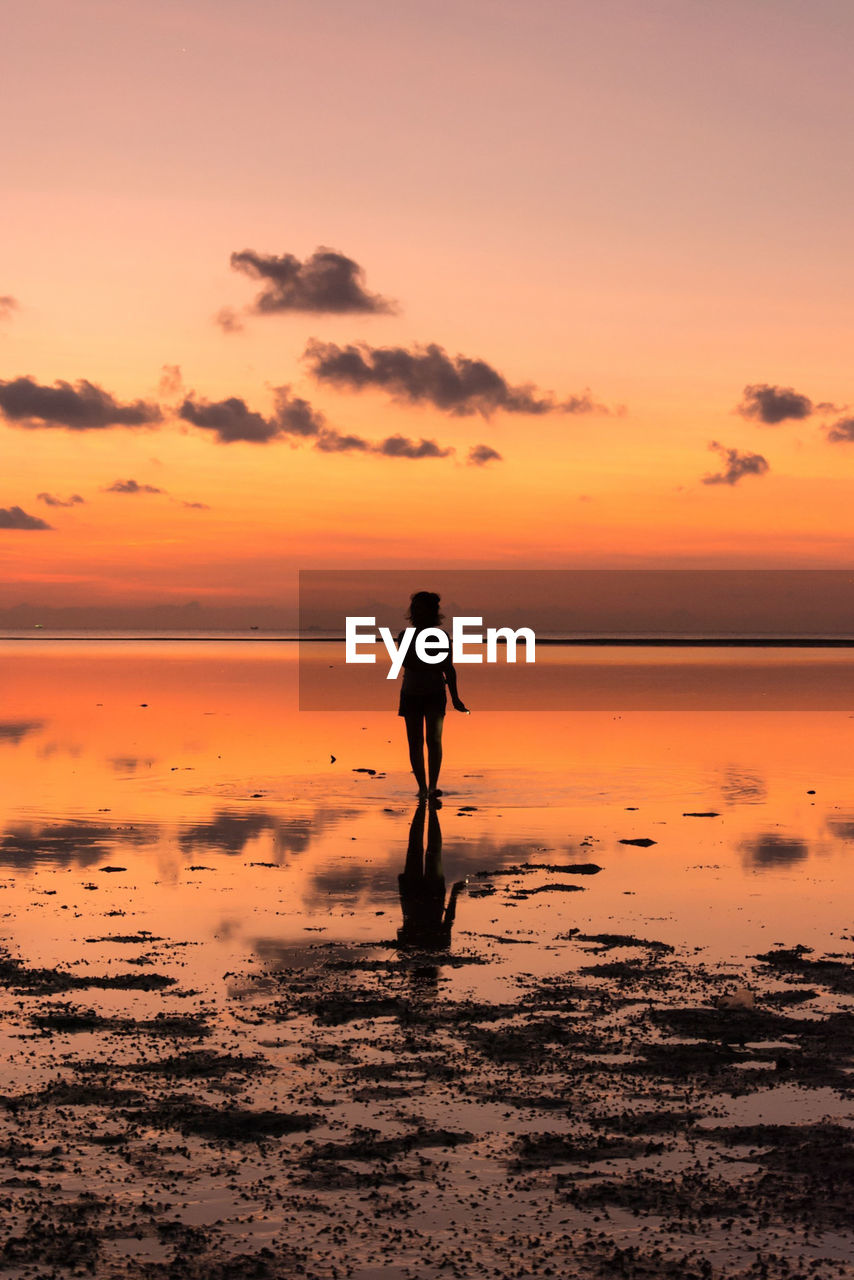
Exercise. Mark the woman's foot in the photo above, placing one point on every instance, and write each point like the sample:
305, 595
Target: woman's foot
433, 792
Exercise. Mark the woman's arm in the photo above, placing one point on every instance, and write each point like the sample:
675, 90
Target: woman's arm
451, 908
451, 677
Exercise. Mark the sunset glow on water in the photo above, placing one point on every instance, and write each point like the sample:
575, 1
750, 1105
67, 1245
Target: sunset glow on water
158, 756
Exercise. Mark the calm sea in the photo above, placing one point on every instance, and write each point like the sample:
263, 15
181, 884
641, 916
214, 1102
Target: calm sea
164, 757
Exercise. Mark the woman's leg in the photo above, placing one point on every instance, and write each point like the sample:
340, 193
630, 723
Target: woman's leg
433, 852
415, 738
414, 866
435, 724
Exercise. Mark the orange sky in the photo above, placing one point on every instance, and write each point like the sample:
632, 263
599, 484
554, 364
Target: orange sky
650, 201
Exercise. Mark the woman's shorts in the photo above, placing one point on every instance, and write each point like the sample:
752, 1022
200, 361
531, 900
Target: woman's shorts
422, 704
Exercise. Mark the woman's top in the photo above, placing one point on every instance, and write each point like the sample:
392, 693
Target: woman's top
423, 677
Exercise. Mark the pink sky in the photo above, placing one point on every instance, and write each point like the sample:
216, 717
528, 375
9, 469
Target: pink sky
649, 201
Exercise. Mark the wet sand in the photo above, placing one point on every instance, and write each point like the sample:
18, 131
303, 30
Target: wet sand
220, 1060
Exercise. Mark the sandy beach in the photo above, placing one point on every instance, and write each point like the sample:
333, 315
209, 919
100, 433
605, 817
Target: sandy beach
628, 1054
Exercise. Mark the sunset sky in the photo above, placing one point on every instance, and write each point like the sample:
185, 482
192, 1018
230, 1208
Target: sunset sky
635, 217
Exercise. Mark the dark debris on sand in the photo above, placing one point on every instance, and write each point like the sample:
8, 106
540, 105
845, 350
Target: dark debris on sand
363, 1115
15, 975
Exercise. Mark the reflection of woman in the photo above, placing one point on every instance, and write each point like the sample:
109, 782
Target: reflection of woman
427, 922
422, 695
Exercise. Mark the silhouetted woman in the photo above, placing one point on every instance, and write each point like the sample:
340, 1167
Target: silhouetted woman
427, 922
422, 695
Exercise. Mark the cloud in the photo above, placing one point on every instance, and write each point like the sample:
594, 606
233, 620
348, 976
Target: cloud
230, 420
49, 500
131, 486
171, 382
428, 375
842, 432
82, 407
827, 406
228, 320
480, 454
331, 441
196, 506
295, 416
295, 419
771, 405
15, 518
327, 282
737, 465
8, 305
403, 447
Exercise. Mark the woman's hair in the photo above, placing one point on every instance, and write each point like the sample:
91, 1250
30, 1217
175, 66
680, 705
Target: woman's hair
424, 609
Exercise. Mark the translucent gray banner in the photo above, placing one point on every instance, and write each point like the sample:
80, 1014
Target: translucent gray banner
612, 640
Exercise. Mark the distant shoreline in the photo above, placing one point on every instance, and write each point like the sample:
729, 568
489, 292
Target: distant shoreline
625, 642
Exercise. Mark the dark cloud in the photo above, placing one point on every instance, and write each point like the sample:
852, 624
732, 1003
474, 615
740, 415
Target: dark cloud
230, 420
480, 454
131, 486
296, 416
428, 375
327, 282
16, 518
228, 320
196, 506
330, 441
842, 432
51, 501
8, 305
736, 465
82, 407
771, 405
586, 404
171, 382
403, 447
827, 406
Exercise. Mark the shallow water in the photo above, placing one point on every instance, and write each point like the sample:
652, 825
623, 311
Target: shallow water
165, 757
167, 810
